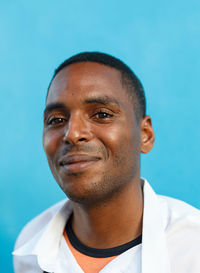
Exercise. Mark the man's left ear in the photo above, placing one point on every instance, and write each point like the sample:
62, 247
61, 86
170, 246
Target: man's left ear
147, 135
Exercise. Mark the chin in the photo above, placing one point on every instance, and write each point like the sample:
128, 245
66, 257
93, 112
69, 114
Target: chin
81, 193
91, 194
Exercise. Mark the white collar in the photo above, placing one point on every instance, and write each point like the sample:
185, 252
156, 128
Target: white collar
45, 244
154, 248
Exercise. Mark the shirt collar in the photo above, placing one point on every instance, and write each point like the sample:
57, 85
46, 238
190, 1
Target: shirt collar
45, 244
154, 247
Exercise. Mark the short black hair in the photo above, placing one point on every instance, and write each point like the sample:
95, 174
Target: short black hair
129, 79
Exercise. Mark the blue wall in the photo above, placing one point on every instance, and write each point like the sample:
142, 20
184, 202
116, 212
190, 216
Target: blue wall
159, 40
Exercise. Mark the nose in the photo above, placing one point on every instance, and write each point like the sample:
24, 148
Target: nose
77, 130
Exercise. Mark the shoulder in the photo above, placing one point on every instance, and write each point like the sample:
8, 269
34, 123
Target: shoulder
37, 234
180, 211
182, 229
38, 223
180, 215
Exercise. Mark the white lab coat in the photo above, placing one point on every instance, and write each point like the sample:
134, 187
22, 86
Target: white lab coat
170, 241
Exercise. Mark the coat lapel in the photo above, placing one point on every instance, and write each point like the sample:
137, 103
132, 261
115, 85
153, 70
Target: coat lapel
154, 248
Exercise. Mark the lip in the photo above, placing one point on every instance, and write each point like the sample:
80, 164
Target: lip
77, 162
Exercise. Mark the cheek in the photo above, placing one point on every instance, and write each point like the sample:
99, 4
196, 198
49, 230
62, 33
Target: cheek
117, 140
51, 143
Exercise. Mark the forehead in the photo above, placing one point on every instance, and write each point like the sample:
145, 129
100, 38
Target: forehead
87, 79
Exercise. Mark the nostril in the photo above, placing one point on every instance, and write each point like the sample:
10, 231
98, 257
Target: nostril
82, 139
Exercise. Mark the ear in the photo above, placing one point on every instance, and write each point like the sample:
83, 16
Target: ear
147, 135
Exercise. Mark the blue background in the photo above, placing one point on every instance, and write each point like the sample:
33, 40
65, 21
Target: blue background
159, 40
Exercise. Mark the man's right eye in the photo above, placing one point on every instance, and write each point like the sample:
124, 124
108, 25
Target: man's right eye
55, 121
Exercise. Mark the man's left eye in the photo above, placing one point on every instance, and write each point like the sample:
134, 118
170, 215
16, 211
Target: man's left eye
102, 115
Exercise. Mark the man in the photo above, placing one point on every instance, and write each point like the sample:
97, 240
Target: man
95, 127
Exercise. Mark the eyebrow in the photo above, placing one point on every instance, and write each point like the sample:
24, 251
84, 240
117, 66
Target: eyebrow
53, 106
101, 100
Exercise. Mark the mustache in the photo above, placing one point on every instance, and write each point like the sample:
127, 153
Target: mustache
84, 149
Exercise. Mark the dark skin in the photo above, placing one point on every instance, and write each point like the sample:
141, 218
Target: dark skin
93, 144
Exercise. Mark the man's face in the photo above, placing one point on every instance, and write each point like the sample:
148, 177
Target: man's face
91, 137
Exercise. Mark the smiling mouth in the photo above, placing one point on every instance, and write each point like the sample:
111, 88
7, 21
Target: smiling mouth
77, 163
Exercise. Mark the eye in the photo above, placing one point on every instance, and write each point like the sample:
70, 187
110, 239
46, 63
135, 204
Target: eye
55, 121
102, 115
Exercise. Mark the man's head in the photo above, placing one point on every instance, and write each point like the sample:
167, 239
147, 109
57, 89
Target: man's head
93, 132
129, 80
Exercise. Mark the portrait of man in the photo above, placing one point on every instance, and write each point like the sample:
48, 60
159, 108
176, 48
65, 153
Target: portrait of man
95, 129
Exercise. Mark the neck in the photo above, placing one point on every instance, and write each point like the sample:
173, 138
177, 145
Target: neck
111, 223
